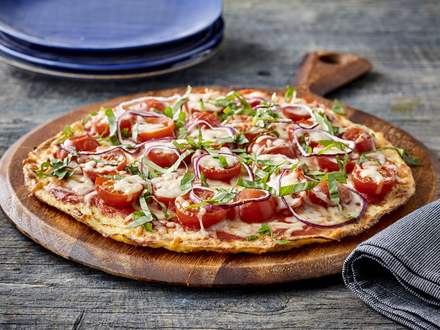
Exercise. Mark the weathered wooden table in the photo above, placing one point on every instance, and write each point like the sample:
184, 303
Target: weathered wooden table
264, 45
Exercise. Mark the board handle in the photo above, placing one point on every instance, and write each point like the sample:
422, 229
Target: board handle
322, 72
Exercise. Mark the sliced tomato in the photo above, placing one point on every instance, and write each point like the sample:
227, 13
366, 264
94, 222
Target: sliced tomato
210, 117
272, 145
320, 195
255, 212
244, 125
296, 113
329, 164
363, 140
162, 157
112, 211
106, 191
189, 217
108, 163
155, 105
378, 186
165, 128
221, 174
79, 143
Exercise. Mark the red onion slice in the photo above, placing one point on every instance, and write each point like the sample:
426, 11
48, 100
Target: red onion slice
361, 208
300, 131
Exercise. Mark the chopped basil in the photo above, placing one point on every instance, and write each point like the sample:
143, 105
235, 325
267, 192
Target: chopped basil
338, 108
329, 144
266, 230
296, 188
57, 168
253, 184
66, 133
406, 156
290, 93
223, 162
89, 116
186, 182
324, 122
142, 216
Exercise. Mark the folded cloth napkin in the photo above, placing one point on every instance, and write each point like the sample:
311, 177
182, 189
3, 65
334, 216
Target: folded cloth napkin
397, 271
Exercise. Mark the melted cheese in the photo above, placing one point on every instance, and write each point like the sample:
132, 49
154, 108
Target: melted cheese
213, 134
129, 185
148, 127
79, 184
371, 170
167, 185
212, 161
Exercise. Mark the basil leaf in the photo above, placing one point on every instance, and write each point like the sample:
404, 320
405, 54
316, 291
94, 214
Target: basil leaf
296, 188
324, 122
223, 162
338, 108
290, 93
333, 189
406, 156
111, 121
143, 216
253, 184
186, 182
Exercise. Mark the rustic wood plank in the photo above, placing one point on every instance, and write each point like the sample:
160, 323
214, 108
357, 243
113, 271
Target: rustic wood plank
265, 41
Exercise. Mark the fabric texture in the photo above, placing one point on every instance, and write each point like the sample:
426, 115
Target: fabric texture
397, 271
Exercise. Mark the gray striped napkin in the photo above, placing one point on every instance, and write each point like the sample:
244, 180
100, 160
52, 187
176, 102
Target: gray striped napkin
397, 271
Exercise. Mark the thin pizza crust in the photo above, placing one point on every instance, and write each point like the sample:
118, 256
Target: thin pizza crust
179, 240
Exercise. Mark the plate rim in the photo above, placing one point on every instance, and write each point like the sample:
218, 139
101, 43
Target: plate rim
6, 28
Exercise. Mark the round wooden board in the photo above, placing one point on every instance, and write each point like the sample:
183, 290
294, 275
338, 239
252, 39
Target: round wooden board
70, 239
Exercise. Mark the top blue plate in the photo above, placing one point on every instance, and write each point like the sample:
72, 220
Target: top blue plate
105, 25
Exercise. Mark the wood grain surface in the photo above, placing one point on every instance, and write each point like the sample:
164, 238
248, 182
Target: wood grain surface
75, 241
264, 45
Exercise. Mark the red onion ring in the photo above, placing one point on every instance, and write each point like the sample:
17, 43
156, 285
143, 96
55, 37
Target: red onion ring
348, 143
309, 222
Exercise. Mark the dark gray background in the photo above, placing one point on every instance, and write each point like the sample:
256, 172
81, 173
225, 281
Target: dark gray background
265, 41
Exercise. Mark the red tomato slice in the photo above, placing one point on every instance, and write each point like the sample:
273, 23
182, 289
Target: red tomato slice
295, 113
154, 104
106, 191
244, 125
108, 163
80, 143
190, 217
272, 145
255, 212
363, 141
162, 158
320, 195
371, 186
329, 164
221, 174
209, 117
166, 128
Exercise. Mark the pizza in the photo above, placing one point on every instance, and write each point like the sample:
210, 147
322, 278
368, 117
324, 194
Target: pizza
221, 170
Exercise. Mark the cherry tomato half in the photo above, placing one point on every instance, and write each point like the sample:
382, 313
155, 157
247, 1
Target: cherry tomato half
190, 216
107, 192
320, 195
363, 140
108, 163
378, 186
255, 212
164, 127
210, 117
80, 143
221, 174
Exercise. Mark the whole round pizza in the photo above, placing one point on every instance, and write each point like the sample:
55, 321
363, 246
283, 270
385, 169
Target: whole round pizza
225, 171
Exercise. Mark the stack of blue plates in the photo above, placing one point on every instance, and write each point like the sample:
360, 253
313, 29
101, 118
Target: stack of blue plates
111, 39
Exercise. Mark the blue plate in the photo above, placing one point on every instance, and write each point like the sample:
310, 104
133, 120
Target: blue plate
145, 59
105, 25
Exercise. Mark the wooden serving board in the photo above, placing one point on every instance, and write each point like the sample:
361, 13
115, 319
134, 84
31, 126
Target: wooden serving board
321, 73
